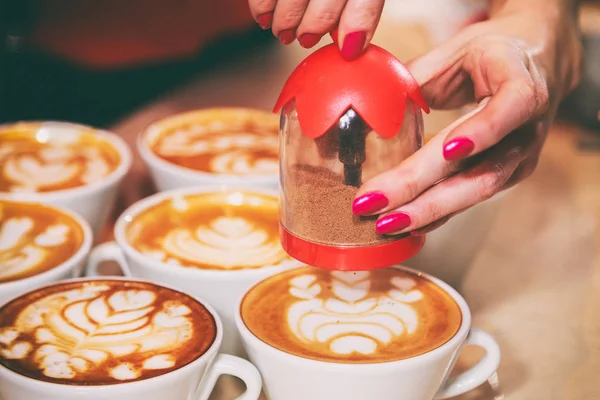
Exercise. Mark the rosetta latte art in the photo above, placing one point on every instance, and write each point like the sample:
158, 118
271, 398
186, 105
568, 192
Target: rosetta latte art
226, 242
231, 150
21, 254
353, 321
93, 329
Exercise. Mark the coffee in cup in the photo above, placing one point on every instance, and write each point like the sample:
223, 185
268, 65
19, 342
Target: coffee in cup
385, 334
63, 164
211, 242
39, 244
94, 338
214, 145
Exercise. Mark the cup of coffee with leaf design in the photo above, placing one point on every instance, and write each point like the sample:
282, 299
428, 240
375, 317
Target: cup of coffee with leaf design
386, 334
213, 242
39, 244
67, 165
114, 339
213, 146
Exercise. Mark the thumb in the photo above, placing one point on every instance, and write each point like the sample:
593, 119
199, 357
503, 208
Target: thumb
357, 26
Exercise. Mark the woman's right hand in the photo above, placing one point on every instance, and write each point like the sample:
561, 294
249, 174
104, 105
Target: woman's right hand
310, 20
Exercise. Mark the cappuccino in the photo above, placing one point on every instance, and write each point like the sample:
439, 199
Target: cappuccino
102, 332
351, 317
38, 158
223, 230
35, 238
230, 141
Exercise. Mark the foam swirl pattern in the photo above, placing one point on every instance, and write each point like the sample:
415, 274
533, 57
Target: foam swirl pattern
229, 230
34, 239
34, 158
373, 316
221, 141
103, 332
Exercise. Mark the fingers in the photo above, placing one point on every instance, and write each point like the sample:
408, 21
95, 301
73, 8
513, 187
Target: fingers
357, 26
287, 16
320, 18
262, 11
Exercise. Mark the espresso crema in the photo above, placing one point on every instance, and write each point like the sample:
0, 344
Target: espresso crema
351, 317
102, 332
48, 157
217, 230
35, 238
231, 141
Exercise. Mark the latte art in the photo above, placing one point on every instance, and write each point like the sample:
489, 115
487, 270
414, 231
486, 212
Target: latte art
34, 239
231, 230
103, 332
360, 317
34, 158
222, 141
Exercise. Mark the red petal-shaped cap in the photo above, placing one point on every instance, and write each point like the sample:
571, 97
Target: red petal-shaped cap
375, 85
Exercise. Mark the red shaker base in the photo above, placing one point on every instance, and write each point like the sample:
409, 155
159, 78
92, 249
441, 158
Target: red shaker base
350, 258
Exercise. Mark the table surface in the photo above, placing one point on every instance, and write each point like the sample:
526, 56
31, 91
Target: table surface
535, 284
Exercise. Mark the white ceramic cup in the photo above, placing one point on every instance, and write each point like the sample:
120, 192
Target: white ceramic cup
95, 201
424, 377
194, 381
221, 288
71, 268
167, 176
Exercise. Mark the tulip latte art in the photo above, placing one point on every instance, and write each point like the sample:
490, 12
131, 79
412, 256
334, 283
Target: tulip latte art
355, 317
102, 332
222, 141
45, 158
34, 239
218, 230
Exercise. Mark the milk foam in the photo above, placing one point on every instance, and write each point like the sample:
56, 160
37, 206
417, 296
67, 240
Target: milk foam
353, 321
20, 252
231, 152
77, 331
52, 166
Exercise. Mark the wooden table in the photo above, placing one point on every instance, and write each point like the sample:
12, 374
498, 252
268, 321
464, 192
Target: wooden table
535, 284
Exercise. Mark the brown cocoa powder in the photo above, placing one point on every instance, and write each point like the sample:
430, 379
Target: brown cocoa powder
318, 208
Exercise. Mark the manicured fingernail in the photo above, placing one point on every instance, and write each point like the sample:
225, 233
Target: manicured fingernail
353, 45
369, 203
308, 40
265, 20
392, 223
458, 148
287, 36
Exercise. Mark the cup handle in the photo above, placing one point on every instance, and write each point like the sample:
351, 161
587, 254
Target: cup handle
225, 364
105, 252
480, 372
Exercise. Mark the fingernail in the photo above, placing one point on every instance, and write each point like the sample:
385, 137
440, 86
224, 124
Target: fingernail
308, 40
369, 203
353, 45
458, 148
287, 36
265, 20
392, 223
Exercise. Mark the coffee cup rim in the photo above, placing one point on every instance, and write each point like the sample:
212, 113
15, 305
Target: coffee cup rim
138, 207
76, 258
125, 156
153, 159
364, 368
206, 357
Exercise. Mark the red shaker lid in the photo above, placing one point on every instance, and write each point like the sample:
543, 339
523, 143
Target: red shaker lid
376, 85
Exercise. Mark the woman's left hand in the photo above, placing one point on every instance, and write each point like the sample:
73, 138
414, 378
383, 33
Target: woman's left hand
518, 66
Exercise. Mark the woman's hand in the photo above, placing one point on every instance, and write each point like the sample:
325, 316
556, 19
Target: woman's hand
310, 20
517, 66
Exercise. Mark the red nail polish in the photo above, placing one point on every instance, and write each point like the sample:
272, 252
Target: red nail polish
353, 45
369, 203
392, 223
458, 148
265, 20
287, 36
308, 40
